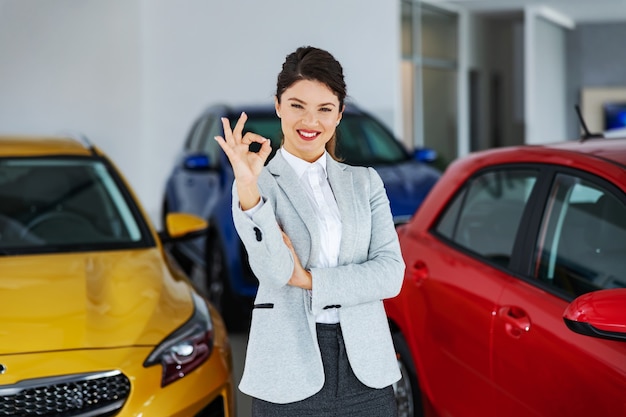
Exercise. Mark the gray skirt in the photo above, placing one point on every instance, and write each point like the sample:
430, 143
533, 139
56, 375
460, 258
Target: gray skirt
342, 395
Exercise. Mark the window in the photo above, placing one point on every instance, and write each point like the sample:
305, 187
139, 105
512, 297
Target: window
429, 71
54, 204
362, 140
193, 140
208, 145
581, 246
266, 125
485, 216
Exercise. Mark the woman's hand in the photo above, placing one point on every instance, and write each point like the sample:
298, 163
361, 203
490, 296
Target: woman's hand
247, 165
300, 277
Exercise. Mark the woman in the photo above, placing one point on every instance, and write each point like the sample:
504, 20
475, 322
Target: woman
322, 243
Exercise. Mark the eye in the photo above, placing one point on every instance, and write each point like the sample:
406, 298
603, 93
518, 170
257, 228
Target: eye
326, 109
296, 106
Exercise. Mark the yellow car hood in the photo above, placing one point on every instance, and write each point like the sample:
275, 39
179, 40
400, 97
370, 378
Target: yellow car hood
88, 300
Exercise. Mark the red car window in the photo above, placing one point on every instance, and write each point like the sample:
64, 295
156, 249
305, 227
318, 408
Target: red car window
485, 217
582, 239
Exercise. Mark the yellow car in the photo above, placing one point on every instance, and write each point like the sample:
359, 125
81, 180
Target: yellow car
94, 319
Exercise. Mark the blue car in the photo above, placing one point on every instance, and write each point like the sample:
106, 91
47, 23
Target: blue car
201, 181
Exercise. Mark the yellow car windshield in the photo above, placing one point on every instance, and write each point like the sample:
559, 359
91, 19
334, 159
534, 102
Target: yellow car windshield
64, 204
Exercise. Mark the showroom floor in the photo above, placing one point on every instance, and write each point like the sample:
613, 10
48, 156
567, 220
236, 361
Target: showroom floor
238, 342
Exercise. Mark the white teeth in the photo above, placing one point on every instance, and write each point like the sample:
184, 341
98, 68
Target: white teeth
308, 134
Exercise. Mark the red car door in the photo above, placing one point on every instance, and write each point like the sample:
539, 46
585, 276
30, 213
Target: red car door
541, 367
454, 278
451, 316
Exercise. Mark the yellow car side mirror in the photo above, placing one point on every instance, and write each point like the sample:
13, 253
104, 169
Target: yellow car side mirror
183, 225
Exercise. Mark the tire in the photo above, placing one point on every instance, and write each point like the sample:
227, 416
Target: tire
406, 390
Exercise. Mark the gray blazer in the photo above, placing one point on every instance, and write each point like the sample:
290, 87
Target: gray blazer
283, 362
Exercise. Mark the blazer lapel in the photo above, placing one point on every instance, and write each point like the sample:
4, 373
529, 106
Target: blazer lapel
343, 188
286, 179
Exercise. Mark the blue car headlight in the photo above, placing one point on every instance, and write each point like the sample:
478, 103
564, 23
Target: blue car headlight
187, 347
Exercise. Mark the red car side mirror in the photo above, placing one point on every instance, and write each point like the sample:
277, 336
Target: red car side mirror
598, 314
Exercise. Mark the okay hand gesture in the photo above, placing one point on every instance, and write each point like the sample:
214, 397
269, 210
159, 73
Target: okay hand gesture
247, 164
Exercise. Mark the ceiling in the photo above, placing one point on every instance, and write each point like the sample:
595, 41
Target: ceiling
578, 11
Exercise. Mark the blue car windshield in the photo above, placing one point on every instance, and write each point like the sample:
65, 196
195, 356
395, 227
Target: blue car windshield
361, 140
61, 204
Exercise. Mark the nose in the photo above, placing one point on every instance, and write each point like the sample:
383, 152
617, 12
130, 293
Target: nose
310, 119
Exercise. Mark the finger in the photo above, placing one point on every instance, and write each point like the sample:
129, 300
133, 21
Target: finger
227, 149
266, 149
228, 132
238, 130
251, 137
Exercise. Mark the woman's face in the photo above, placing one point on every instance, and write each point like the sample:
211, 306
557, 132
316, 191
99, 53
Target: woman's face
309, 113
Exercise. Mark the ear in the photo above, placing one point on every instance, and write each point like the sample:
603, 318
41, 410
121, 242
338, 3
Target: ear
277, 106
340, 114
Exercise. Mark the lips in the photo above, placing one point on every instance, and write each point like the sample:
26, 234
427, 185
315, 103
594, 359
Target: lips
308, 135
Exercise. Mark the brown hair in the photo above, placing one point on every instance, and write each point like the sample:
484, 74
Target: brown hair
313, 64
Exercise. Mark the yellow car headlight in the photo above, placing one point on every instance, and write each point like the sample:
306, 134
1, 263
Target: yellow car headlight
187, 347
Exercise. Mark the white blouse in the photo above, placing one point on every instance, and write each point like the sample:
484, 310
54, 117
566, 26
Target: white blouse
314, 180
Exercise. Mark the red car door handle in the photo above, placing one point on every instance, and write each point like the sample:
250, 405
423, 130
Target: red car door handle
418, 272
516, 321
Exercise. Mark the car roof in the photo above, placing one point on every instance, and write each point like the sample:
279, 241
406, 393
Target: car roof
16, 145
608, 150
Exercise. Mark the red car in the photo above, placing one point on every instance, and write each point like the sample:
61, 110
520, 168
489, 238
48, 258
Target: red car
513, 302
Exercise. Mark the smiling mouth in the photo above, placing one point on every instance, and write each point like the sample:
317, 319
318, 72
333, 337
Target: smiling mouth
308, 134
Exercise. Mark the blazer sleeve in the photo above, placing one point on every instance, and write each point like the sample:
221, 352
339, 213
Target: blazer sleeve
268, 255
380, 276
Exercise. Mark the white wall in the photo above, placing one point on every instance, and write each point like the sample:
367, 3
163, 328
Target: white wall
73, 65
545, 75
133, 74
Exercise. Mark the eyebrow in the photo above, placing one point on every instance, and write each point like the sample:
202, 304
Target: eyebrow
303, 102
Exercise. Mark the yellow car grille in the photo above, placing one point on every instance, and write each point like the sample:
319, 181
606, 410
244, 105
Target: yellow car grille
82, 395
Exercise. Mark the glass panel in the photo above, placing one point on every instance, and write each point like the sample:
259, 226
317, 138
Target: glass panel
408, 104
50, 203
364, 141
440, 114
429, 84
406, 29
266, 126
582, 244
485, 216
194, 140
209, 146
448, 223
439, 34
